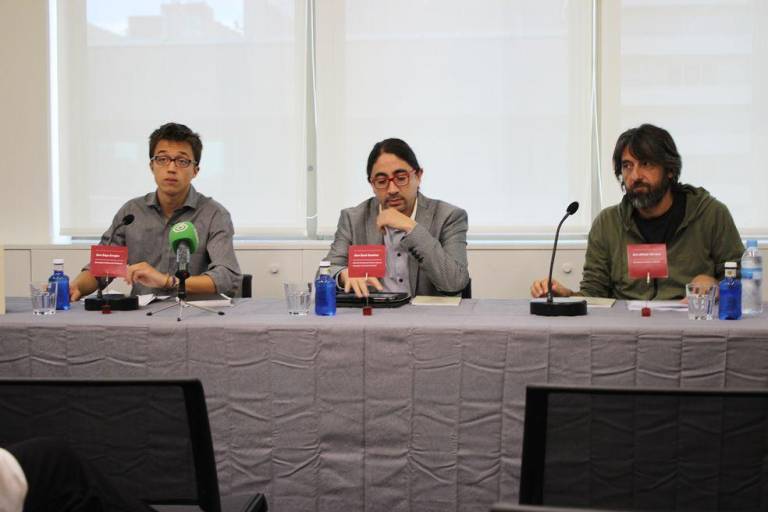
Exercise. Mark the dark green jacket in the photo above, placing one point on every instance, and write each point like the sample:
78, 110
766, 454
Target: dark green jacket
704, 241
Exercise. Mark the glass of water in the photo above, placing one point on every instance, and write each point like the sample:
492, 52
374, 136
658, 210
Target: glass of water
298, 297
43, 296
701, 300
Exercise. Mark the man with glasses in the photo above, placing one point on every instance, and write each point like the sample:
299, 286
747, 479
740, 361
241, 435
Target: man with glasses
174, 159
425, 239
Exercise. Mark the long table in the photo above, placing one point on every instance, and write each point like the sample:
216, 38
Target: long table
411, 409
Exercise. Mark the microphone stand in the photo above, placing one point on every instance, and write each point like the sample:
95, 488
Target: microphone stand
550, 307
101, 283
181, 296
114, 301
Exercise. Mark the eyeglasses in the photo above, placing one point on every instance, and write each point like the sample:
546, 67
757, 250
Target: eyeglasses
400, 178
165, 161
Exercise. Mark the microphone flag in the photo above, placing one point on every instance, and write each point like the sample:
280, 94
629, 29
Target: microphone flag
183, 232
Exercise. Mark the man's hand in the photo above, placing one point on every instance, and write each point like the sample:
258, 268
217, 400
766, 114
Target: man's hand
74, 292
146, 274
83, 284
539, 289
359, 285
395, 219
703, 280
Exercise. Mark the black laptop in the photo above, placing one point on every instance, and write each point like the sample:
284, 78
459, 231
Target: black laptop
375, 299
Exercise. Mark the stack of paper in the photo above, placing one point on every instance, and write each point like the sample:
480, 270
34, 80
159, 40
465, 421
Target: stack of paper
427, 300
600, 302
210, 300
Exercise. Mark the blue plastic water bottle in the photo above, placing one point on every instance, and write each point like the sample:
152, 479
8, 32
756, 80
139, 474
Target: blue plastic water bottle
325, 291
62, 296
730, 294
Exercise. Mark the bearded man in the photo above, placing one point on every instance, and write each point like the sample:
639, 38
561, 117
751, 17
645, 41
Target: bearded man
697, 229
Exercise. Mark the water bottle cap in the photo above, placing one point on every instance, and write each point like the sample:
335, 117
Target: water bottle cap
751, 243
58, 261
325, 264
731, 264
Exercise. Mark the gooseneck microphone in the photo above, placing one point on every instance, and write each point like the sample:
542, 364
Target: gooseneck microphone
572, 208
127, 220
115, 301
550, 307
102, 281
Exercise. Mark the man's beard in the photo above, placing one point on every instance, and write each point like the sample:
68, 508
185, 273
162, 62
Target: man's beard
652, 197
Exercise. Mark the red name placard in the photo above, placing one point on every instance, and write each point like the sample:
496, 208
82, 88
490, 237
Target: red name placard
367, 260
109, 260
647, 260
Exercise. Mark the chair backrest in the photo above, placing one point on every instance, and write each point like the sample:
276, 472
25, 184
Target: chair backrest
511, 507
645, 449
245, 288
150, 437
466, 293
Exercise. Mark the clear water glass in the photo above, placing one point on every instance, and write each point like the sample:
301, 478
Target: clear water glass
298, 297
701, 300
43, 295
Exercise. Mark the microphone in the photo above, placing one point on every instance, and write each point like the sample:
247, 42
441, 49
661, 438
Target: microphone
116, 302
572, 208
184, 241
565, 307
102, 281
127, 220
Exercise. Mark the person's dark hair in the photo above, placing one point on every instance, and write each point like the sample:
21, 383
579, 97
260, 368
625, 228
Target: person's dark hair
177, 133
651, 144
396, 147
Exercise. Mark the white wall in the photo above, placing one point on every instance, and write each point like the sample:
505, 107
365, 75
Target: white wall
25, 211
24, 142
498, 270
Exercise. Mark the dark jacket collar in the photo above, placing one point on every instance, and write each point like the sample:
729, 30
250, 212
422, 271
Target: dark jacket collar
696, 198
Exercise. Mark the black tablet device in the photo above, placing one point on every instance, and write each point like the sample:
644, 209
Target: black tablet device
376, 300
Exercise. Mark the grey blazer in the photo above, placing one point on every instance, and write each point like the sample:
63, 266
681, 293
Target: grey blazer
437, 246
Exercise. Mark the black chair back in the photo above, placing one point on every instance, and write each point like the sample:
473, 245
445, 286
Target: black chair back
466, 293
150, 437
645, 449
509, 507
245, 291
